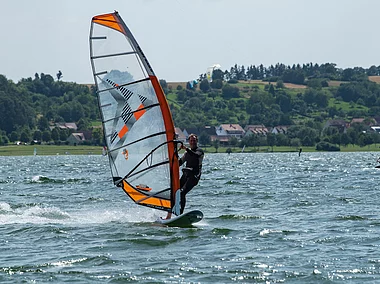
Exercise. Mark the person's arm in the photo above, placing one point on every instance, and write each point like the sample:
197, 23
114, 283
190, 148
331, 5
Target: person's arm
197, 152
181, 160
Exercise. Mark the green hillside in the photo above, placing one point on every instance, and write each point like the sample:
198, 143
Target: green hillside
301, 97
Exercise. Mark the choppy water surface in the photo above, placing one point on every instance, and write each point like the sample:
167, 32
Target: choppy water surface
269, 218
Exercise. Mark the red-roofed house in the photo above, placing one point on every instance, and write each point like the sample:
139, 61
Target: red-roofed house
230, 130
67, 125
76, 139
256, 130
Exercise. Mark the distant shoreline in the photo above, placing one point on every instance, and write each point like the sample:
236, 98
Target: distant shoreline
51, 150
48, 150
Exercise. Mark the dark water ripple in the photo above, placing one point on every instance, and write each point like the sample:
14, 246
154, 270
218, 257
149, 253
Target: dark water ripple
269, 218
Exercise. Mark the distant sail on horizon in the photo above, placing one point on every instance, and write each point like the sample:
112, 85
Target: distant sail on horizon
137, 123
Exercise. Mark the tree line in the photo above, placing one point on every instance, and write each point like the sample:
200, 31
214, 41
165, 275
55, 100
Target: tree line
31, 106
297, 73
229, 98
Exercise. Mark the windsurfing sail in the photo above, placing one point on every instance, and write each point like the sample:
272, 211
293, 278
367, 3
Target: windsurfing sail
137, 122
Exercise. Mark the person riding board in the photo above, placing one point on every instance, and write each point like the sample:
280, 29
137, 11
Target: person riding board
191, 172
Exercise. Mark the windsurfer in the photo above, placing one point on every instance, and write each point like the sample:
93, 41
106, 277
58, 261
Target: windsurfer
191, 172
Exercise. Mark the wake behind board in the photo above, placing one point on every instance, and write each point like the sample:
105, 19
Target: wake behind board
184, 220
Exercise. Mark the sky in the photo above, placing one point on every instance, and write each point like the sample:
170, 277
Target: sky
182, 38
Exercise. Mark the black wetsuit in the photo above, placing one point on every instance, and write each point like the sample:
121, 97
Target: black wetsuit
191, 172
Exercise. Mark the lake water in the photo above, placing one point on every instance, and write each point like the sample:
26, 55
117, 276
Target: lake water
269, 218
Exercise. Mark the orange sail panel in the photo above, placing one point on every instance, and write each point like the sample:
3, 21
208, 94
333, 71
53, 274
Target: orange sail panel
137, 122
145, 199
140, 111
108, 20
123, 131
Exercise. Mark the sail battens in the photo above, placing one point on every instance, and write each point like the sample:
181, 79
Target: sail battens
131, 113
137, 123
106, 105
112, 55
98, 37
135, 82
144, 138
132, 174
123, 85
153, 195
100, 73
133, 142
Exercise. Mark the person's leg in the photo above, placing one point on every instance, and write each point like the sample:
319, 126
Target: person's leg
189, 184
182, 182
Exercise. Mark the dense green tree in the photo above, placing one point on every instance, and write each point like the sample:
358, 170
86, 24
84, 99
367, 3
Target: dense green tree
233, 141
284, 102
295, 142
14, 136
37, 135
229, 92
65, 112
64, 134
307, 141
280, 84
97, 136
314, 83
293, 76
217, 74
353, 135
224, 116
14, 113
77, 112
216, 144
204, 139
164, 86
326, 146
194, 104
271, 140
84, 124
5, 140
207, 105
361, 141
55, 134
181, 96
344, 139
46, 136
335, 139
43, 123
217, 84
204, 85
321, 99
271, 89
348, 92
25, 136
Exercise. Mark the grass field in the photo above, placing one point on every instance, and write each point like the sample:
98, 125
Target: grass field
283, 149
27, 150
45, 150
